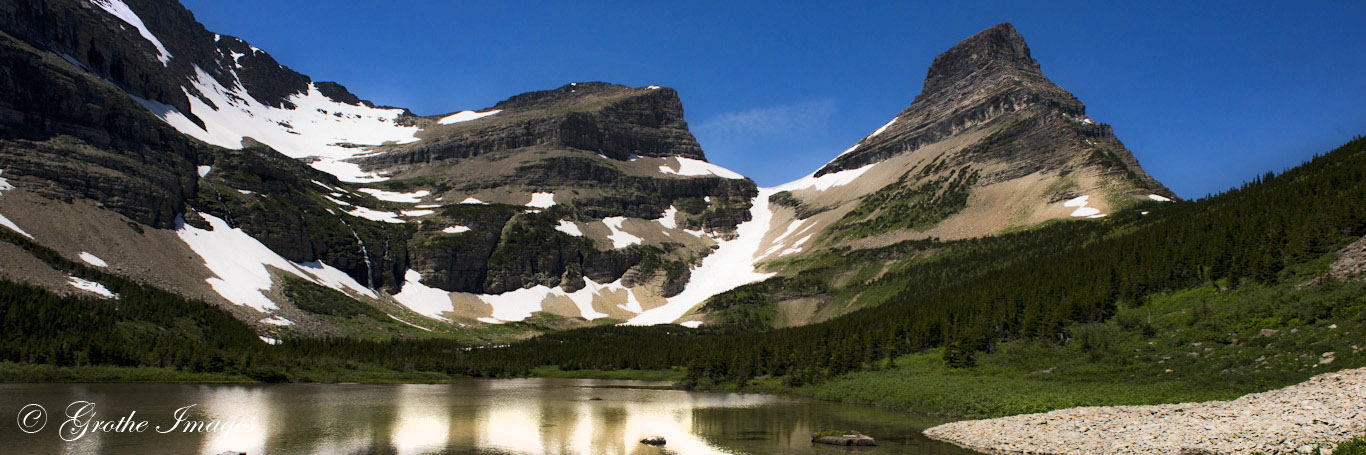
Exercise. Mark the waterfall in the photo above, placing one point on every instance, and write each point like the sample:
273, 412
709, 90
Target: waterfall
227, 214
369, 270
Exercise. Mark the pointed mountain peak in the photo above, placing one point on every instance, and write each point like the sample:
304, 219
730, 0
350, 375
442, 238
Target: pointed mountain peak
997, 49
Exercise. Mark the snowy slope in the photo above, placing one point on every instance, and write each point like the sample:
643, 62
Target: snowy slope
316, 127
126, 14
243, 265
730, 266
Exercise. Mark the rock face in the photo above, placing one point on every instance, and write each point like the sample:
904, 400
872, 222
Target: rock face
612, 120
987, 78
100, 100
588, 184
1351, 264
599, 148
989, 144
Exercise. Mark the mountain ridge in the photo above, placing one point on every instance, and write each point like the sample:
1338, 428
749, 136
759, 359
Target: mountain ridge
586, 202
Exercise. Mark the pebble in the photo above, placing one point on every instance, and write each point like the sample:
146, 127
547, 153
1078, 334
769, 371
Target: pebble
1322, 412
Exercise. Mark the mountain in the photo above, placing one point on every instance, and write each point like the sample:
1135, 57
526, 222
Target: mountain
195, 161
989, 146
134, 140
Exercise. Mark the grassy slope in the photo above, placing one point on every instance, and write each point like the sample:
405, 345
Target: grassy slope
1203, 344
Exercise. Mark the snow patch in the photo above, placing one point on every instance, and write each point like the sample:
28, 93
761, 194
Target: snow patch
391, 196
417, 213
472, 201
424, 300
520, 304
795, 248
318, 128
824, 182
91, 286
122, 11
1076, 202
790, 229
883, 128
542, 200
729, 266
670, 218
1085, 211
653, 87
1159, 198
13, 227
619, 238
373, 215
204, 171
691, 324
4, 184
455, 229
334, 278
1082, 210
569, 227
93, 260
276, 320
241, 264
691, 167
465, 116
269, 340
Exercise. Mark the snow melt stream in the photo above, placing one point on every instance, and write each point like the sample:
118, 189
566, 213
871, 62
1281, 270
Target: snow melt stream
242, 264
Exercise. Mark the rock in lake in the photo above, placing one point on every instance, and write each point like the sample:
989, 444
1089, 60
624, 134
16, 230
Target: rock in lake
653, 441
853, 439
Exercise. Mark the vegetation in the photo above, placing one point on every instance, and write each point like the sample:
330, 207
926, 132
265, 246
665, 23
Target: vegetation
325, 301
1202, 345
551, 371
804, 210
1356, 446
901, 207
1196, 300
1051, 284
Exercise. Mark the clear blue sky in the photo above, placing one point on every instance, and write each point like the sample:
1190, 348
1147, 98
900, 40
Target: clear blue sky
1206, 94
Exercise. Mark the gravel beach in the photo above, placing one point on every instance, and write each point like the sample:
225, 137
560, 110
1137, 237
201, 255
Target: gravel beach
1325, 410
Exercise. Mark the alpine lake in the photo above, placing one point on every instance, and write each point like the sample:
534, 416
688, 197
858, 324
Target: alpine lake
507, 416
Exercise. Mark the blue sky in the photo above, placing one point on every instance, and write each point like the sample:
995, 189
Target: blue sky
1206, 94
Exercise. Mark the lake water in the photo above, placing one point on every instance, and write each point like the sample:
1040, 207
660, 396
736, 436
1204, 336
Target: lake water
520, 416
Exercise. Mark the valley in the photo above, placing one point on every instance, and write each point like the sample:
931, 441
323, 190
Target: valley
176, 206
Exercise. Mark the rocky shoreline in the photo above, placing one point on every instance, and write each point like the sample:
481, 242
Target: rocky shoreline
1326, 410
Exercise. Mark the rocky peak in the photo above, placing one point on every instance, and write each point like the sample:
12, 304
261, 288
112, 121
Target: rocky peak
980, 79
339, 93
566, 92
613, 120
996, 49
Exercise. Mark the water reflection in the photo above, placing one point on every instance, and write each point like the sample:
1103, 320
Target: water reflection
527, 416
